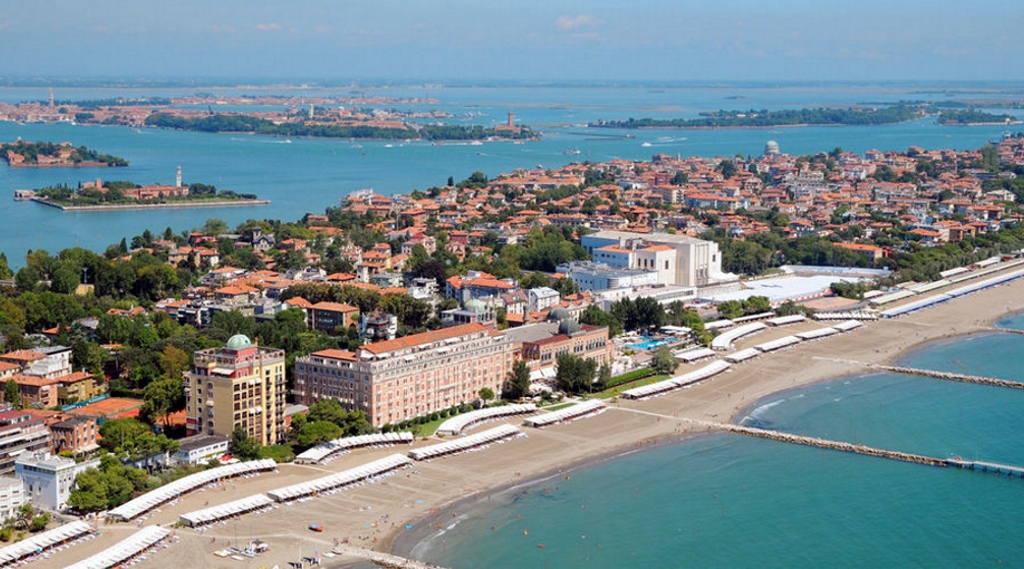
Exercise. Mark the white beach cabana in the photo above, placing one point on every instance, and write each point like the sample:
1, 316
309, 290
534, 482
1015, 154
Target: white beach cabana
340, 479
816, 333
465, 443
777, 344
124, 549
221, 511
848, 325
742, 355
724, 340
41, 542
338, 446
581, 409
146, 502
690, 356
786, 320
461, 422
710, 370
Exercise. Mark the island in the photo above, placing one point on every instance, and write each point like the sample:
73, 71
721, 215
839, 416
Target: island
355, 117
124, 195
764, 118
22, 154
331, 125
973, 117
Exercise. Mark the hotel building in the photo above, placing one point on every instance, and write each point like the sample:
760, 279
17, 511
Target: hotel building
407, 377
239, 385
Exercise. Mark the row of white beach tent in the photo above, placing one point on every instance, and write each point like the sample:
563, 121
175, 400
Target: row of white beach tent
465, 443
221, 511
124, 549
322, 451
741, 355
724, 340
856, 315
955, 293
786, 320
133, 508
817, 333
458, 423
777, 344
566, 414
337, 480
712, 369
43, 541
691, 356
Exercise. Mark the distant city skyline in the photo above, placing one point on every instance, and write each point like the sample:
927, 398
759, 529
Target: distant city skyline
563, 40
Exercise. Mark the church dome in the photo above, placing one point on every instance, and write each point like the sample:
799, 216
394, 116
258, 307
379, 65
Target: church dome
771, 148
475, 305
239, 342
568, 327
558, 314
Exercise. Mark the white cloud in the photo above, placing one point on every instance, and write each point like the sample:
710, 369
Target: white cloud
580, 21
268, 27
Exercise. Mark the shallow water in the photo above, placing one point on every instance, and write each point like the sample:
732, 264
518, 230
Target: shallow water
728, 501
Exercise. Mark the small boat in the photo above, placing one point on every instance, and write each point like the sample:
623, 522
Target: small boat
572, 152
646, 144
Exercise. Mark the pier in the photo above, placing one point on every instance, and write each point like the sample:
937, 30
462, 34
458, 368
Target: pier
982, 466
826, 443
383, 559
957, 462
951, 376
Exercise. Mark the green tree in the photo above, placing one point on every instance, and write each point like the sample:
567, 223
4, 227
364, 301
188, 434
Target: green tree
11, 395
574, 374
517, 385
566, 286
594, 316
535, 279
317, 432
757, 305
242, 446
731, 309
486, 394
173, 362
162, 398
663, 361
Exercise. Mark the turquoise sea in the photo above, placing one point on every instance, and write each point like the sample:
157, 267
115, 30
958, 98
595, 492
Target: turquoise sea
302, 176
732, 501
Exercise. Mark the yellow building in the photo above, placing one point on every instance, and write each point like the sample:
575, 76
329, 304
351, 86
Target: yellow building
239, 385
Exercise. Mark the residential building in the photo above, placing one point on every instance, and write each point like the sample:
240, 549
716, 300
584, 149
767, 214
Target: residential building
12, 496
407, 377
239, 385
542, 298
49, 479
328, 316
20, 432
199, 449
77, 435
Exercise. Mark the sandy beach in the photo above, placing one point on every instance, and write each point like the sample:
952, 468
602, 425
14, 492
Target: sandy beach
400, 510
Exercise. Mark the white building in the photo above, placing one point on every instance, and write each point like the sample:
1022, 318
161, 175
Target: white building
198, 449
12, 496
541, 298
50, 479
590, 275
678, 259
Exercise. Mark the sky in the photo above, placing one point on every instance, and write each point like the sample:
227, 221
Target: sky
517, 40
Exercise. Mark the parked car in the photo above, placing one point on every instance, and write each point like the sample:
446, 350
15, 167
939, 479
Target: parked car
316, 527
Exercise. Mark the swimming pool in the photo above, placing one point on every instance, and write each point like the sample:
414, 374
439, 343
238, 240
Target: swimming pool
649, 343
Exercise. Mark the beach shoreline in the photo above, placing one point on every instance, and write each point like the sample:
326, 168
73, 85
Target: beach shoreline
400, 511
404, 543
